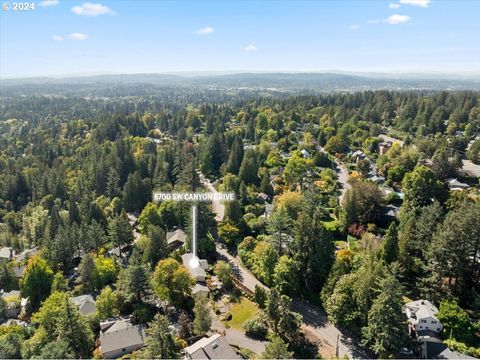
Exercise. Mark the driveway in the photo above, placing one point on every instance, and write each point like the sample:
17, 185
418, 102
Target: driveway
238, 338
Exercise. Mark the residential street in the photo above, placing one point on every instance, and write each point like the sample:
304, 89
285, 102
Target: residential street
342, 174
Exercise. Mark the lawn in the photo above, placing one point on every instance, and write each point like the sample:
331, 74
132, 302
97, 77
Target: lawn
241, 312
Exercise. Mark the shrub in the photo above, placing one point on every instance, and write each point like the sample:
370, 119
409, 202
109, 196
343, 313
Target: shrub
256, 328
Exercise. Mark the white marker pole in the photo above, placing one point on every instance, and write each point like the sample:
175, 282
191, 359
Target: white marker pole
194, 230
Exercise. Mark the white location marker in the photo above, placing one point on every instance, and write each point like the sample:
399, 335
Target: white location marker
194, 262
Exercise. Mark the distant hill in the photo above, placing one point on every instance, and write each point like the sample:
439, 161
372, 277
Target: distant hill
312, 82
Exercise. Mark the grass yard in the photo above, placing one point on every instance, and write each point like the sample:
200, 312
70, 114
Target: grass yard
241, 312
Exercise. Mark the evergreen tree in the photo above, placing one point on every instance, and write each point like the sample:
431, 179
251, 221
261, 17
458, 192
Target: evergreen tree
236, 156
265, 186
249, 169
276, 349
120, 231
313, 250
74, 330
390, 244
386, 332
159, 342
203, 320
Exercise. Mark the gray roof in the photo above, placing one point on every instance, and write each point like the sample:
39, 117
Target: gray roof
214, 347
25, 254
197, 288
85, 303
121, 334
422, 309
7, 294
177, 235
194, 271
6, 252
19, 270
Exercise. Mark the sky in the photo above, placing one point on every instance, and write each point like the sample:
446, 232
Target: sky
67, 37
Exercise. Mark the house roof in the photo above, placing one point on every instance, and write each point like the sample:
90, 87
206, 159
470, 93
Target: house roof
13, 293
454, 183
213, 347
19, 270
422, 309
26, 254
6, 252
85, 303
195, 271
177, 235
199, 288
121, 335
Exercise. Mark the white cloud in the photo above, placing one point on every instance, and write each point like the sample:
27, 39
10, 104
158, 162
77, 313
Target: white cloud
354, 27
394, 6
57, 38
421, 3
205, 30
397, 19
250, 48
77, 36
89, 9
45, 3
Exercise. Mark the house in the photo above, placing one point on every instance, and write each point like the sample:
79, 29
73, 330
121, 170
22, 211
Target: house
376, 179
305, 154
26, 254
358, 155
195, 267
6, 254
176, 239
262, 197
13, 303
200, 290
268, 211
454, 184
19, 270
384, 146
421, 315
120, 337
391, 211
133, 218
213, 347
435, 348
85, 303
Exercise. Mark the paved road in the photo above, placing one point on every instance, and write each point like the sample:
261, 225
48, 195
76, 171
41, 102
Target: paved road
342, 174
217, 207
236, 337
469, 167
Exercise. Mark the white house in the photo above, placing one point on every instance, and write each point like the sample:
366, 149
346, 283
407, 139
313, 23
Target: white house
421, 315
196, 269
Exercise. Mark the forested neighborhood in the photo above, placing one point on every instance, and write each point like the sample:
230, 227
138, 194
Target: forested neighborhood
354, 232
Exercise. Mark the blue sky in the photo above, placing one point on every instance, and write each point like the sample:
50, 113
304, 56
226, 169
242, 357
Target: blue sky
74, 37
